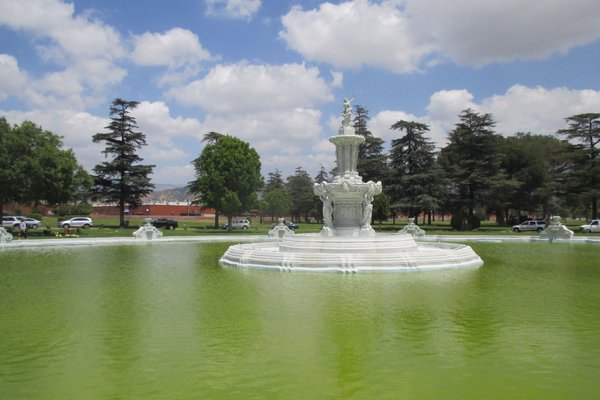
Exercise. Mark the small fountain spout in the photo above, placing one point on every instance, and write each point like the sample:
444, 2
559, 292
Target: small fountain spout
556, 230
412, 229
5, 236
147, 231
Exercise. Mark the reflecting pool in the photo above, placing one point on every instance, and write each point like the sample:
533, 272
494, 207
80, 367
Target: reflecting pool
166, 321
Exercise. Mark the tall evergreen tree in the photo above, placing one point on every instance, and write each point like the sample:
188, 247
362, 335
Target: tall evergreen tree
371, 164
122, 180
300, 188
274, 181
584, 130
415, 182
472, 161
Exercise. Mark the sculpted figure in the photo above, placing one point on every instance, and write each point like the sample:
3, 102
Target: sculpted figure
346, 112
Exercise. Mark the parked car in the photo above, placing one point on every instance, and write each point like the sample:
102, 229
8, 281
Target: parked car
76, 222
13, 222
238, 224
592, 226
32, 223
537, 225
292, 225
164, 223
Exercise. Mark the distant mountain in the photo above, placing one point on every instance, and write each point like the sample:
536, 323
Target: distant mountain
168, 195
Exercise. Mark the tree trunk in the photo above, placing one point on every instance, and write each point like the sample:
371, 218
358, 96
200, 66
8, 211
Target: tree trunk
216, 219
594, 208
121, 214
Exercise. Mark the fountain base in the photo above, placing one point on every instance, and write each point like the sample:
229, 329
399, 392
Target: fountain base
308, 252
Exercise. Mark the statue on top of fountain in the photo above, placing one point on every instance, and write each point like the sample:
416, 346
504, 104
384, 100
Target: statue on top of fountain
346, 129
347, 201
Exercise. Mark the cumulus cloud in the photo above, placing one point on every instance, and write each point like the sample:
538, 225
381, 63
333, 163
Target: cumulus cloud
12, 79
244, 88
87, 49
178, 49
236, 9
354, 33
520, 109
403, 36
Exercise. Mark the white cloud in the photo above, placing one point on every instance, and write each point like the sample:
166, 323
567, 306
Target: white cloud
12, 79
236, 9
87, 49
537, 110
403, 36
478, 32
354, 33
247, 88
174, 48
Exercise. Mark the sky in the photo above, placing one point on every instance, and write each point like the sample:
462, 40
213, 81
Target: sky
275, 72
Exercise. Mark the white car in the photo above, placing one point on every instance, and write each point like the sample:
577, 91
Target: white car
537, 225
76, 222
13, 222
242, 224
592, 226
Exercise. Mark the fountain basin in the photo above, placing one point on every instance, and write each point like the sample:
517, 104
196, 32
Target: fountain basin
382, 253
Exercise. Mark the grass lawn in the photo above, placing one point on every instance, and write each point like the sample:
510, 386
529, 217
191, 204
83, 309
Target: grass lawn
109, 227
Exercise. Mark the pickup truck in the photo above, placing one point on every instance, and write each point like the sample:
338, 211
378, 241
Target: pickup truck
592, 226
164, 223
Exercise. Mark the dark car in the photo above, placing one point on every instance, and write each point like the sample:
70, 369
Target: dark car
164, 223
292, 225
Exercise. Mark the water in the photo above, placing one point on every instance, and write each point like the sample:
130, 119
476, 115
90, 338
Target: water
165, 321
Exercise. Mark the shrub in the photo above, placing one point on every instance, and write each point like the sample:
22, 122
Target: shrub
462, 222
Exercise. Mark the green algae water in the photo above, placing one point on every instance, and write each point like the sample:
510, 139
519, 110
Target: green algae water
165, 321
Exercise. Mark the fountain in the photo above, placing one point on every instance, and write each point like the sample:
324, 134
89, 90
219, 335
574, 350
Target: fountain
147, 231
413, 229
347, 241
5, 236
556, 231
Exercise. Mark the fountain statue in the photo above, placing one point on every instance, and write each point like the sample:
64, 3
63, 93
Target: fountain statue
413, 229
556, 230
280, 230
147, 231
347, 242
5, 236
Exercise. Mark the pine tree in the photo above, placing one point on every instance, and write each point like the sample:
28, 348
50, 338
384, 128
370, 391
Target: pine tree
122, 180
371, 164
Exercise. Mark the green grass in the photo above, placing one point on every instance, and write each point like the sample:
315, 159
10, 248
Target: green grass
109, 227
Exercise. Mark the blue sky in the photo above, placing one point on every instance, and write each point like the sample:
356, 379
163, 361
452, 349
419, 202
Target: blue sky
274, 72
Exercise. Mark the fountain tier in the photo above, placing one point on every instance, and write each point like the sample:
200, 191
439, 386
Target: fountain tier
393, 252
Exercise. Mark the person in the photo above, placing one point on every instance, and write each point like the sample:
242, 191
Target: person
346, 112
22, 228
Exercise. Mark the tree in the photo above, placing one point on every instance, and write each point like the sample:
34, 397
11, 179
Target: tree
415, 181
381, 207
536, 164
371, 165
278, 203
227, 176
472, 161
275, 181
584, 129
122, 180
34, 167
300, 188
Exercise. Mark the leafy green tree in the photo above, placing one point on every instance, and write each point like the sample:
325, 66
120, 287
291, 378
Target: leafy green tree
371, 164
227, 176
34, 167
122, 180
415, 181
300, 188
278, 203
584, 130
381, 207
472, 161
322, 175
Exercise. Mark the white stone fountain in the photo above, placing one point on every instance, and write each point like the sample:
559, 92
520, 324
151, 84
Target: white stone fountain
347, 241
147, 231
